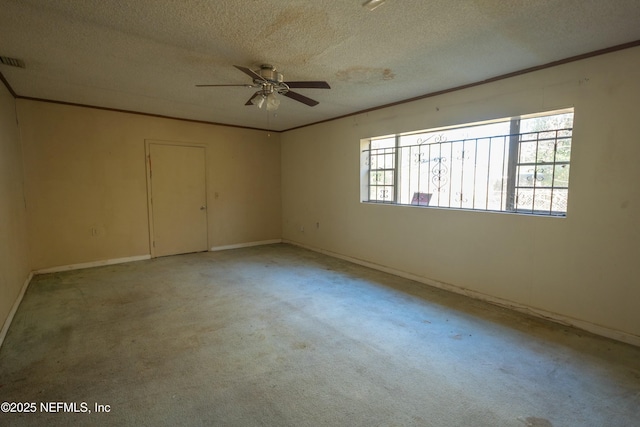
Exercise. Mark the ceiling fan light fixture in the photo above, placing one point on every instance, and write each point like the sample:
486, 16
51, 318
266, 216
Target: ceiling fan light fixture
272, 102
373, 4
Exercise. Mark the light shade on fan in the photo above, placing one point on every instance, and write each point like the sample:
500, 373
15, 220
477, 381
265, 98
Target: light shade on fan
258, 100
272, 102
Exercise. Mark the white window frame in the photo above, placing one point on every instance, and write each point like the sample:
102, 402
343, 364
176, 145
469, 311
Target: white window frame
528, 169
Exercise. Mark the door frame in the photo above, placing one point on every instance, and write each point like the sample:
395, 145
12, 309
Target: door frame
148, 168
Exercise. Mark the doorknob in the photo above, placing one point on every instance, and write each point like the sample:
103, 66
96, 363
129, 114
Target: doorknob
203, 208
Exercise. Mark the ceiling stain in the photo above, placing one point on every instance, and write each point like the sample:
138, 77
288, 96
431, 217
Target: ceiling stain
296, 35
290, 18
359, 74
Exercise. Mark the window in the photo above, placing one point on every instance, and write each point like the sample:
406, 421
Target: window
516, 164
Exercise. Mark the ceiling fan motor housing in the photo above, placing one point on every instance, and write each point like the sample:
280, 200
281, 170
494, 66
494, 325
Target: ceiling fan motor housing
269, 73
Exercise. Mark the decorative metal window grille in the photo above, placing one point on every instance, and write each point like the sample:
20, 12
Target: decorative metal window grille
511, 165
382, 172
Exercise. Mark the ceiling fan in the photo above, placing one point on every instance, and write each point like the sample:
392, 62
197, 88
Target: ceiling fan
271, 82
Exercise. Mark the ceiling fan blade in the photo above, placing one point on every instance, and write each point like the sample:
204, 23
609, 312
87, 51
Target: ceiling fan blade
250, 73
245, 85
308, 85
301, 98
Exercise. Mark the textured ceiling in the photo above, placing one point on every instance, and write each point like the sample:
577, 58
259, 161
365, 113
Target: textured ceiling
148, 55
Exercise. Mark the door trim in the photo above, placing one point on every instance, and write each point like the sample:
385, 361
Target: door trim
149, 167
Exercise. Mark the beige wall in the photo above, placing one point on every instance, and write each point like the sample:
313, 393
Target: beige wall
14, 263
85, 170
585, 267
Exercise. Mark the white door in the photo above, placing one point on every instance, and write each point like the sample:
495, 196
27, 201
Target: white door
178, 201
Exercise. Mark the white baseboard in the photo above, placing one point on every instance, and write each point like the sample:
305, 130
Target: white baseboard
92, 264
245, 245
14, 308
555, 317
